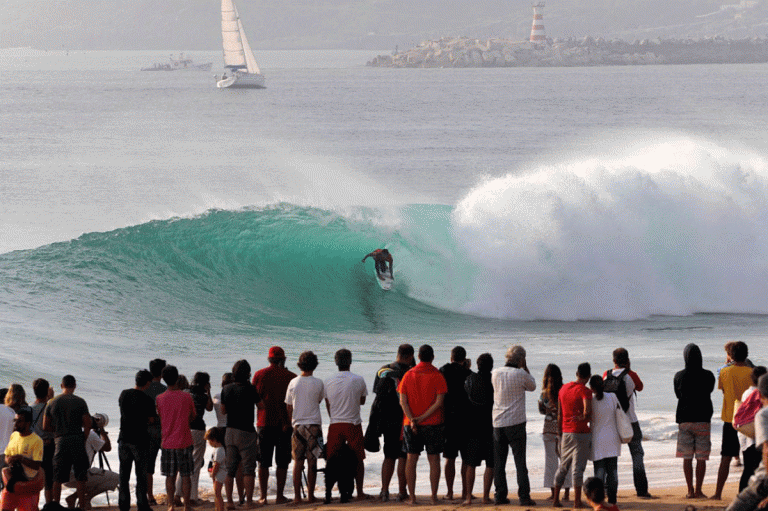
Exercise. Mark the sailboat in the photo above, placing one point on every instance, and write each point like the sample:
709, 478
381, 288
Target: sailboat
238, 56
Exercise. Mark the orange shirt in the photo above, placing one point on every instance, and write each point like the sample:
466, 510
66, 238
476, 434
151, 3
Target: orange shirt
421, 385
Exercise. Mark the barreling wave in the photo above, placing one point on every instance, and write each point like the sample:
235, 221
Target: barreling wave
671, 228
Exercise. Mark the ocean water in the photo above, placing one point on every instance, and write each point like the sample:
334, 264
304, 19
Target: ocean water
572, 211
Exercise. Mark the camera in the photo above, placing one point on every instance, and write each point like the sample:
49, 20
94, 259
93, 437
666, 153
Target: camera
99, 421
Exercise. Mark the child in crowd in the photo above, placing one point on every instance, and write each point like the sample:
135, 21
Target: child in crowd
215, 437
594, 493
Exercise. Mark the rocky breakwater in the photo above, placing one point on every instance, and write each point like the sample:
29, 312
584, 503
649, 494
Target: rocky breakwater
464, 52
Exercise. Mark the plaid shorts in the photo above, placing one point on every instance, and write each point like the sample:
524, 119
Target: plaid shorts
173, 461
307, 442
693, 438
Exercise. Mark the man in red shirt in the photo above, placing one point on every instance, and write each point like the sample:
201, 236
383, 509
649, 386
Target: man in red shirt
422, 394
573, 416
272, 422
176, 410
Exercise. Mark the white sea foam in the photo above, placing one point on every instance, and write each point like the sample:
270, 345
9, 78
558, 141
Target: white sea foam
667, 227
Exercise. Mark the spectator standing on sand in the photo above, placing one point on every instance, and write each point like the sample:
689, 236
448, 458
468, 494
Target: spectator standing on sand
573, 416
606, 443
456, 419
345, 392
25, 449
68, 418
633, 384
755, 496
137, 411
155, 388
201, 396
387, 418
43, 393
238, 402
751, 403
273, 426
422, 394
510, 383
479, 444
302, 399
548, 406
733, 380
693, 388
176, 410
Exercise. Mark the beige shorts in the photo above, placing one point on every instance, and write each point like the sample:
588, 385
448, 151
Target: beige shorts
307, 442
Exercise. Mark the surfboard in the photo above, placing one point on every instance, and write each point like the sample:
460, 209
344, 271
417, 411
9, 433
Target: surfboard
385, 280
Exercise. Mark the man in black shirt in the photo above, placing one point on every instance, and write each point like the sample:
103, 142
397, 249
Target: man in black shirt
238, 401
387, 414
456, 408
137, 412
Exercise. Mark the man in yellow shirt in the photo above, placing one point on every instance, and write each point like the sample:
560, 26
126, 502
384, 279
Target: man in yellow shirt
733, 380
25, 449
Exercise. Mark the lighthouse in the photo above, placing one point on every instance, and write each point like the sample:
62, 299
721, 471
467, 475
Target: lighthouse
537, 29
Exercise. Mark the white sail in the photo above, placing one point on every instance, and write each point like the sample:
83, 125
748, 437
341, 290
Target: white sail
234, 55
250, 60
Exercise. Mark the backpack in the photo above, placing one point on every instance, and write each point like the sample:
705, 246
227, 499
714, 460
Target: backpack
617, 385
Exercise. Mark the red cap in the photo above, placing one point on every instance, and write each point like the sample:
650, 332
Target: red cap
276, 352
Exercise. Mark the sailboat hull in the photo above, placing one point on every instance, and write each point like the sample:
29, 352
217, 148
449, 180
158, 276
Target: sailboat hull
242, 81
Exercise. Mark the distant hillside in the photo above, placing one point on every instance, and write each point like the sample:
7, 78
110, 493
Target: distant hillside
362, 24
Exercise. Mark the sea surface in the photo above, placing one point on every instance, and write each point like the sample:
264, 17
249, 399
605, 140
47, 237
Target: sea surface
569, 210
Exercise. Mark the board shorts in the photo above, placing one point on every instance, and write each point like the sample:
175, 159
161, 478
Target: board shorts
731, 445
307, 442
274, 439
478, 450
430, 437
393, 443
241, 447
694, 440
341, 432
176, 461
455, 441
70, 455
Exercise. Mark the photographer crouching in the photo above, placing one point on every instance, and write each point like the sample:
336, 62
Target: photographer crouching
99, 480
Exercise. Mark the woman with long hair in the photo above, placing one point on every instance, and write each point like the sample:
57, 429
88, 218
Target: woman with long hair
16, 397
606, 443
548, 404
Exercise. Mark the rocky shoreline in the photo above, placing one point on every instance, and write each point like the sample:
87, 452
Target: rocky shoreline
465, 52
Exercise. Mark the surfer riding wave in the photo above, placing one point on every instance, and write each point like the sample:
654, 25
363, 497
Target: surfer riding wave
381, 256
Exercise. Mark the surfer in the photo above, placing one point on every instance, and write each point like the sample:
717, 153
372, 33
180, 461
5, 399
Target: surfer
382, 257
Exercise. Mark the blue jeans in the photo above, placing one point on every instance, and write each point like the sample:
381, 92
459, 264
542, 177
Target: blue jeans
638, 467
130, 454
607, 470
503, 439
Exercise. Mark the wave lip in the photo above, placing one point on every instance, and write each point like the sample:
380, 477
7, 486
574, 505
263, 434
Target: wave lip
669, 228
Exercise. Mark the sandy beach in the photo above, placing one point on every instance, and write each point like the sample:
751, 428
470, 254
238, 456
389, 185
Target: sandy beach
665, 499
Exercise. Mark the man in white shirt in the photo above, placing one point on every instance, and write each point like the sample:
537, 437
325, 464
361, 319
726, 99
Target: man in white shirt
303, 398
510, 383
99, 480
344, 393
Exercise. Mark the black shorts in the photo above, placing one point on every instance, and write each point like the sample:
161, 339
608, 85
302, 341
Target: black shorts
273, 438
431, 437
48, 450
455, 441
730, 446
393, 443
478, 450
70, 454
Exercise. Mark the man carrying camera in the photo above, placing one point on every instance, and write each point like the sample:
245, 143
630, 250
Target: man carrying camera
23, 455
98, 479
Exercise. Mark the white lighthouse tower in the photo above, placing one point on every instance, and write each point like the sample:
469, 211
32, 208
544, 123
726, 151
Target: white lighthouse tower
538, 35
